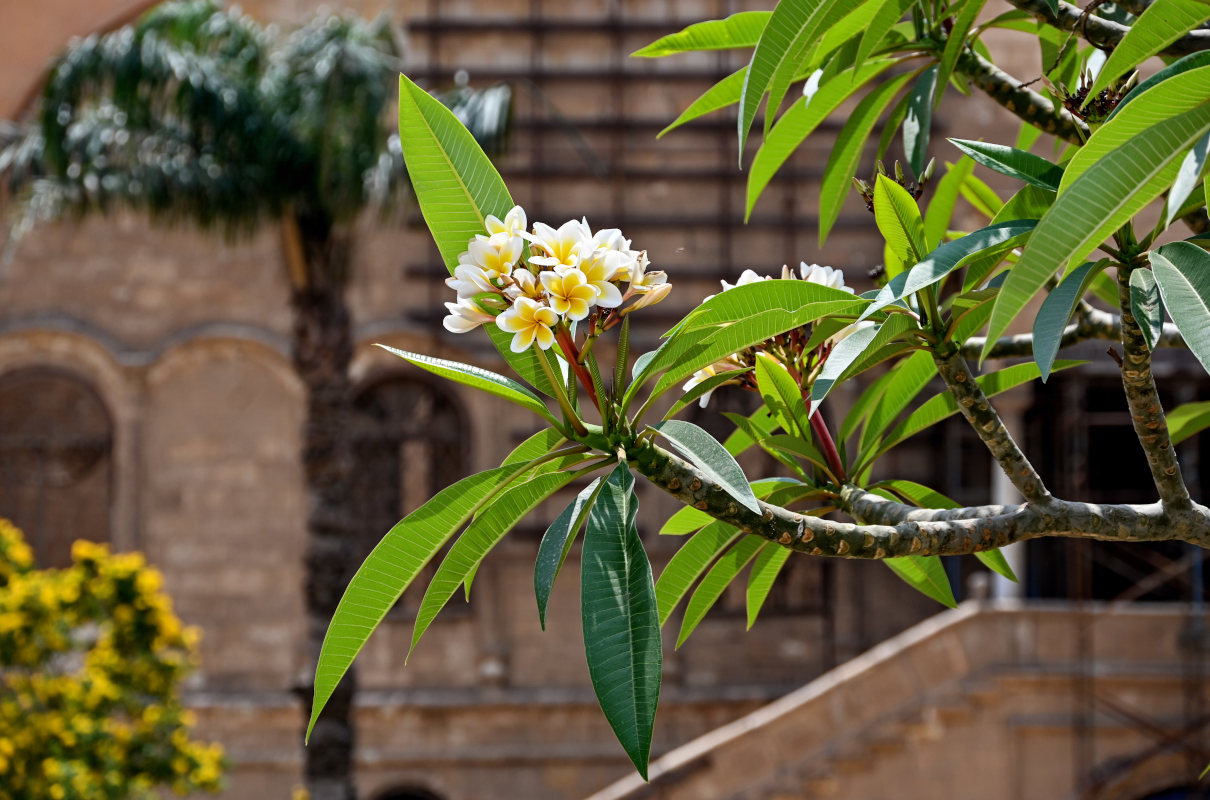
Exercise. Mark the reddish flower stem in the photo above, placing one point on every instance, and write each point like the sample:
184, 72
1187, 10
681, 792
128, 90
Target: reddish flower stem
830, 454
572, 353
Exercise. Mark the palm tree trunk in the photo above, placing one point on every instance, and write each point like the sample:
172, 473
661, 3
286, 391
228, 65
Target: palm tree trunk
323, 348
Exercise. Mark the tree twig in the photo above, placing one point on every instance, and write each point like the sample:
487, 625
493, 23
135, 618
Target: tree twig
1091, 323
1027, 104
1146, 412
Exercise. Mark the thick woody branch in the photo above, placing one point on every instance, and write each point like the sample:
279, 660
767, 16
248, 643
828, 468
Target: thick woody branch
1028, 105
1091, 323
974, 405
904, 532
1147, 414
1102, 32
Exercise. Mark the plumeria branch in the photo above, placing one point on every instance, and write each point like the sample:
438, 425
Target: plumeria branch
1027, 104
892, 529
1146, 411
1102, 32
1090, 323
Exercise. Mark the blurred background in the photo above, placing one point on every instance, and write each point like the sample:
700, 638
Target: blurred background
150, 398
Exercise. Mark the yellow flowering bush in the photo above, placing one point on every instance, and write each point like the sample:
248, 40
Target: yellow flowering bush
90, 660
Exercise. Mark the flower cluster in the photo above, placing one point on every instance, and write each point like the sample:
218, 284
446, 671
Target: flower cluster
788, 349
534, 283
91, 658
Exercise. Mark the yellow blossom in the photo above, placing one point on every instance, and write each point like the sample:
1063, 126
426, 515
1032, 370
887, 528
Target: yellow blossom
570, 292
528, 320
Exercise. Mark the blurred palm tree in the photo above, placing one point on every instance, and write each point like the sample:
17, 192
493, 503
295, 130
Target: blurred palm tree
199, 115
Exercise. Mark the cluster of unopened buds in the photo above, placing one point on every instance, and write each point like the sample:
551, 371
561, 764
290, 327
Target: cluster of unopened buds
788, 349
535, 283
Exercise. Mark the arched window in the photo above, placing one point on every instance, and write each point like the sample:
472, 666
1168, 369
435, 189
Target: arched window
56, 441
411, 439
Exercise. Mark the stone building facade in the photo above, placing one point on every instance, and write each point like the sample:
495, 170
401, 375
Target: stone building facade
145, 381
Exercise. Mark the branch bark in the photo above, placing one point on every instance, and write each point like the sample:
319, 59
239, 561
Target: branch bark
892, 529
1027, 104
1091, 323
1102, 32
1146, 412
978, 411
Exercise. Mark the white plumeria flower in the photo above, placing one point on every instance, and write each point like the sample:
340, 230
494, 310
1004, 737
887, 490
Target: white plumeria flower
526, 284
643, 281
470, 280
849, 330
611, 245
598, 271
745, 277
497, 253
570, 292
513, 224
561, 247
650, 295
528, 321
465, 316
699, 376
824, 276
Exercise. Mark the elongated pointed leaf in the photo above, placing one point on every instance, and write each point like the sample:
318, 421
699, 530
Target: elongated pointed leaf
920, 495
783, 397
738, 30
711, 458
1014, 163
766, 568
1183, 90
1182, 270
688, 564
1056, 310
941, 208
794, 27
478, 378
1099, 202
925, 574
911, 376
846, 153
1030, 202
899, 221
918, 123
1183, 64
848, 350
391, 567
1187, 178
1146, 306
621, 623
1158, 26
488, 528
716, 581
990, 241
889, 12
557, 542
800, 120
796, 447
1188, 419
955, 44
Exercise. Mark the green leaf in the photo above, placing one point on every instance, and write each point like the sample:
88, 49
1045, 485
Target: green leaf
782, 396
709, 456
955, 43
926, 574
1056, 310
391, 567
688, 519
942, 406
920, 495
889, 12
1158, 26
846, 152
1187, 178
756, 426
705, 387
941, 208
1184, 64
899, 221
722, 94
1146, 305
768, 565
911, 376
1182, 91
844, 353
919, 120
557, 542
796, 447
487, 529
478, 378
792, 30
994, 239
1108, 194
716, 581
688, 564
1030, 202
1188, 419
1014, 163
621, 624
738, 30
800, 120
1182, 270
981, 196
